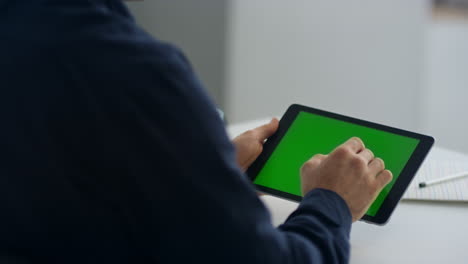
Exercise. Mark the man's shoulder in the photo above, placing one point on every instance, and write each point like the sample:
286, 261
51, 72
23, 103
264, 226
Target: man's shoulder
86, 29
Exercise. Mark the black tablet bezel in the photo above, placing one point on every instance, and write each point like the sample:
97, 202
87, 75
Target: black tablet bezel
399, 187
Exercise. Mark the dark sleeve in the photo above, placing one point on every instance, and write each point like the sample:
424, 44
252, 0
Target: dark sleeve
185, 197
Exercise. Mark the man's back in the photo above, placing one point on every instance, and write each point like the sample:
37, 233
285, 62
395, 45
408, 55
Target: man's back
112, 152
70, 145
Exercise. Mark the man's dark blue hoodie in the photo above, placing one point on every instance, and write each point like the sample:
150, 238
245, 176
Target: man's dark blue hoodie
111, 152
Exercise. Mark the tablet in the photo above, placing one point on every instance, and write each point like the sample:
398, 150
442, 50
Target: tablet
304, 132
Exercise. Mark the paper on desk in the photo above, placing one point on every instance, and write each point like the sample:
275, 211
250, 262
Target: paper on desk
438, 166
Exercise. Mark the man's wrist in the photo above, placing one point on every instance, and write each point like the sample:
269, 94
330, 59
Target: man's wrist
332, 203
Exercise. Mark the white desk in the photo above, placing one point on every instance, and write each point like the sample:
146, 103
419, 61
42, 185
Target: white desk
418, 232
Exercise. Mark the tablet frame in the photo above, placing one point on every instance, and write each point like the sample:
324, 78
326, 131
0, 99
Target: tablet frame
399, 187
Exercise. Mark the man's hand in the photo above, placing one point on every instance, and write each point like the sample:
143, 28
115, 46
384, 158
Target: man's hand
249, 144
351, 171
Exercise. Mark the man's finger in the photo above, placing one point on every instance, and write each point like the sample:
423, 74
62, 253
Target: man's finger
267, 130
367, 155
377, 165
355, 144
384, 178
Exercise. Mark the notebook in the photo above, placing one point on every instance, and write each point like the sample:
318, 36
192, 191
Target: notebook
441, 163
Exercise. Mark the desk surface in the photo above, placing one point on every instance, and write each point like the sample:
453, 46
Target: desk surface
418, 232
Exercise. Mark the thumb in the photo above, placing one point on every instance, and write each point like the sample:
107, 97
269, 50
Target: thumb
267, 130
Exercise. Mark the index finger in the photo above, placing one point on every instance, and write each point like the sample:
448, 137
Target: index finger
355, 144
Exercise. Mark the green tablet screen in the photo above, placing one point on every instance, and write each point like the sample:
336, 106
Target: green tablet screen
311, 134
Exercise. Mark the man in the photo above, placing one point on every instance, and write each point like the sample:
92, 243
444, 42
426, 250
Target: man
113, 153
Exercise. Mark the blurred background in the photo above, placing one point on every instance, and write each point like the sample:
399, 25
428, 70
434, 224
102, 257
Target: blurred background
397, 62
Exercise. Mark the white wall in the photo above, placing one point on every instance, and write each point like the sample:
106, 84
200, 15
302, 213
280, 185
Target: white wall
385, 60
198, 27
445, 105
361, 58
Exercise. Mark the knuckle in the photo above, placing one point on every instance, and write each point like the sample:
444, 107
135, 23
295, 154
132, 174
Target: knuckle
380, 163
318, 158
342, 152
384, 178
358, 162
388, 174
362, 159
358, 140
